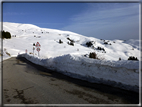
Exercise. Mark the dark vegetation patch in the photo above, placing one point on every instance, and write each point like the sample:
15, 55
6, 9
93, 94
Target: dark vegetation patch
99, 48
132, 58
6, 35
60, 41
13, 35
70, 40
106, 43
86, 55
119, 59
89, 44
70, 43
93, 55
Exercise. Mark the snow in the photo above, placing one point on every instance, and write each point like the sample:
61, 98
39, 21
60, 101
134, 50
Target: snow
70, 60
97, 71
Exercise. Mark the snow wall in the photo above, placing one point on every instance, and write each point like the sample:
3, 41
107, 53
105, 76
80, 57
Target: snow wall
121, 74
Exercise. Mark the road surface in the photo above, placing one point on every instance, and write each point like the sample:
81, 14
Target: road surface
27, 83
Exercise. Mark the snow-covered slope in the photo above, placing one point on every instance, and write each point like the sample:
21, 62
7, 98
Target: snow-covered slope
73, 60
27, 34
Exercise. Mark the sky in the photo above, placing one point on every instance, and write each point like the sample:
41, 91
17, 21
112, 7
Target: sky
99, 20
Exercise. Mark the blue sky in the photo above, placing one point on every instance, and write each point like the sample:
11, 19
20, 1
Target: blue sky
99, 20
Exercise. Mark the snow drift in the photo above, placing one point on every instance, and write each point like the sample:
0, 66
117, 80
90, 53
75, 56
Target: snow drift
96, 71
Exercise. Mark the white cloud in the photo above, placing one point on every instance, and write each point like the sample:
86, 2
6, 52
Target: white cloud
108, 21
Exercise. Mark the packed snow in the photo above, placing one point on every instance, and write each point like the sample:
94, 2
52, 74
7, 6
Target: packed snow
112, 66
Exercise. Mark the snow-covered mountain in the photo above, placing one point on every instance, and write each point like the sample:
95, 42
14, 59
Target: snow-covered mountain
27, 34
57, 53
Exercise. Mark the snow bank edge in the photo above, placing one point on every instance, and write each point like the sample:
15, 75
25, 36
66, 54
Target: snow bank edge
53, 64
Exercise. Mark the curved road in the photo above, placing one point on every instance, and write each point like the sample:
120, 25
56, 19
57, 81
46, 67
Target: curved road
27, 83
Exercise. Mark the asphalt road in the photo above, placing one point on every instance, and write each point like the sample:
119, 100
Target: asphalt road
27, 83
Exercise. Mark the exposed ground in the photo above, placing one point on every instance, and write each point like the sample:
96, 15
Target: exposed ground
27, 83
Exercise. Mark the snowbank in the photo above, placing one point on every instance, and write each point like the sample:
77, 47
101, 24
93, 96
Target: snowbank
122, 74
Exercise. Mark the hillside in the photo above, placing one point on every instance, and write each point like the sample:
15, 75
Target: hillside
27, 34
68, 53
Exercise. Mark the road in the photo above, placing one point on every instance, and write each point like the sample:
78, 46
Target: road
27, 83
